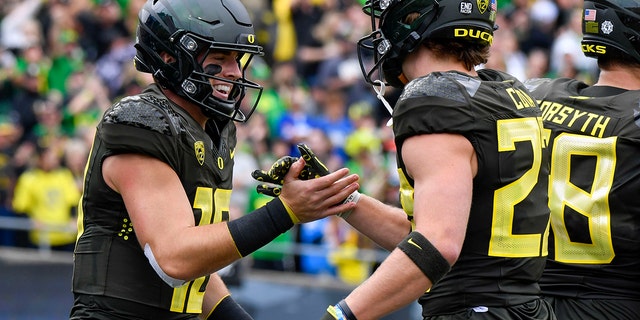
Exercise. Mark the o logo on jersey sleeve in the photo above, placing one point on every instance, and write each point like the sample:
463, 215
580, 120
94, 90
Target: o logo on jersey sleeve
198, 147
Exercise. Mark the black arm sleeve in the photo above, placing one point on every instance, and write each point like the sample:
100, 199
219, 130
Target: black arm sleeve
260, 227
228, 309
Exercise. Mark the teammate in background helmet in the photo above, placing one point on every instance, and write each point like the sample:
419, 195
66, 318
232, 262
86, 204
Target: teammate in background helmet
472, 240
593, 268
154, 218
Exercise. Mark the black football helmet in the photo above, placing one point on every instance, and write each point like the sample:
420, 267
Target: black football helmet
611, 24
188, 30
392, 38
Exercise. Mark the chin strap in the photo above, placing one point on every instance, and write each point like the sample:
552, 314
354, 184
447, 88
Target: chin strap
379, 87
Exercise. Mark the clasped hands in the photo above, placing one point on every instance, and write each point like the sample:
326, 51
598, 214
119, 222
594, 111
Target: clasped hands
327, 192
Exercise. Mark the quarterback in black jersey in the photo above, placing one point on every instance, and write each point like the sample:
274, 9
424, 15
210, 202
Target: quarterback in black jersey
593, 268
472, 240
154, 217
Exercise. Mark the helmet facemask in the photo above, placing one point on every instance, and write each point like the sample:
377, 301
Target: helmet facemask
188, 30
394, 35
392, 38
197, 87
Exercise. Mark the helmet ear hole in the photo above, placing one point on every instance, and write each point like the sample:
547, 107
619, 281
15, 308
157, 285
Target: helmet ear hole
413, 40
167, 76
170, 72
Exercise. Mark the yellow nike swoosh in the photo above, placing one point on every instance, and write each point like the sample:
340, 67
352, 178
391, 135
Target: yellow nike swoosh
232, 152
413, 243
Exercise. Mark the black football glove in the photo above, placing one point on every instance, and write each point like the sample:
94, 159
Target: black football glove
275, 176
313, 168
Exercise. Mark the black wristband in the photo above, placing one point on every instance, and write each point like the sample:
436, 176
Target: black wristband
425, 256
346, 311
228, 309
254, 230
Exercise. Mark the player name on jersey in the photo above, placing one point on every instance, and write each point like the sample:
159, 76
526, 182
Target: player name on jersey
584, 121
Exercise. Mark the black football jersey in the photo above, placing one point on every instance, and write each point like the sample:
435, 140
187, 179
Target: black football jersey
594, 138
505, 246
108, 258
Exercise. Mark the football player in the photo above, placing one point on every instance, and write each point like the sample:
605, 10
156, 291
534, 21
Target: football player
154, 217
593, 268
472, 170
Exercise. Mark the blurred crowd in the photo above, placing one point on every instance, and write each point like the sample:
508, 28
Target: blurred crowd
63, 62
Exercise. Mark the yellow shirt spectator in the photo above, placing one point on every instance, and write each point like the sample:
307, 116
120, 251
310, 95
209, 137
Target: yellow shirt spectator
48, 194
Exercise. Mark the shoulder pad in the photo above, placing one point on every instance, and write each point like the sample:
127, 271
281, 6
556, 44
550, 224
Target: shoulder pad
533, 84
146, 112
448, 86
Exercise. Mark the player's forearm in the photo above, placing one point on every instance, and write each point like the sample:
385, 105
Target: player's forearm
215, 292
218, 303
368, 216
203, 250
395, 284
195, 252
